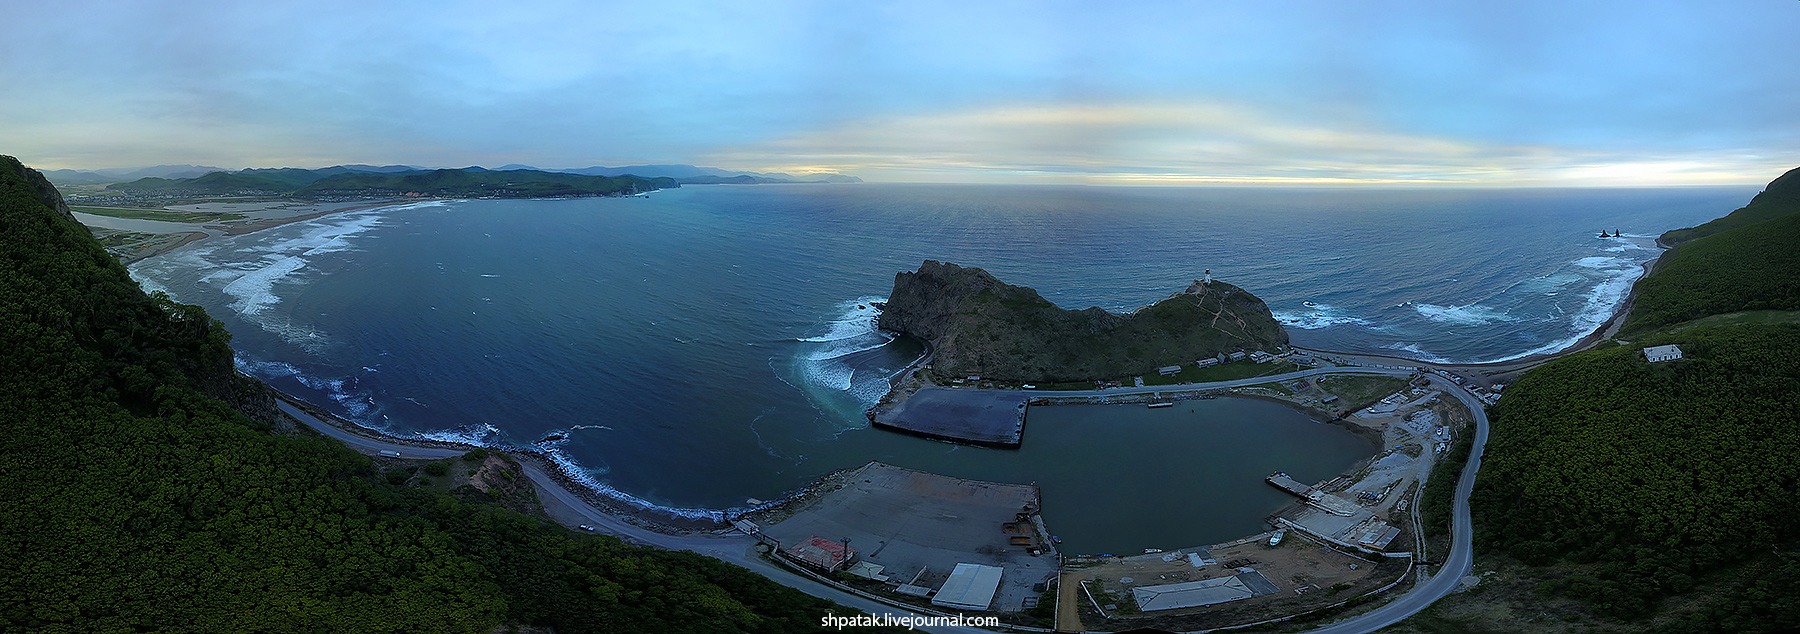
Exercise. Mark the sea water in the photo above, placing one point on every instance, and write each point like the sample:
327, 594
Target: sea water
708, 345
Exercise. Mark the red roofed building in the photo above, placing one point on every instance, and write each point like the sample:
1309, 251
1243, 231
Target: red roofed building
822, 553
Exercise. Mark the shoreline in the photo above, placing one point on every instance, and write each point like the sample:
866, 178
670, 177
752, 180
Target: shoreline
648, 519
1606, 330
203, 232
187, 238
254, 226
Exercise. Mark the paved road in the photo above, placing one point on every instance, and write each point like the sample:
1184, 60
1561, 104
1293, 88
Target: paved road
735, 548
1461, 559
1191, 387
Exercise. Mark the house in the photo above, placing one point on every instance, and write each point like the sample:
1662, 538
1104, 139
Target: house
1659, 354
1236, 356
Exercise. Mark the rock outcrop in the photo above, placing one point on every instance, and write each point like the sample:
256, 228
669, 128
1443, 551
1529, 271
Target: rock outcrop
978, 325
46, 192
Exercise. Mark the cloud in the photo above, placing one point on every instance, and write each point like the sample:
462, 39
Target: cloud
1207, 142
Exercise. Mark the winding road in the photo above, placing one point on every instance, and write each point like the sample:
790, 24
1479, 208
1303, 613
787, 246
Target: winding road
739, 549
569, 509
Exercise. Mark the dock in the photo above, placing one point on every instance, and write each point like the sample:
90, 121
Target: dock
988, 418
1285, 483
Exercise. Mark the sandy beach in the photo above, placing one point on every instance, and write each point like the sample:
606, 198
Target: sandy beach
260, 216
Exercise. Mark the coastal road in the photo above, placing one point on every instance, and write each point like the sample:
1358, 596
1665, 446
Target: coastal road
1461, 558
1191, 387
735, 548
364, 444
738, 549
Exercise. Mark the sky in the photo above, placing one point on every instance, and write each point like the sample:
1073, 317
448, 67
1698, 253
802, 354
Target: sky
1565, 93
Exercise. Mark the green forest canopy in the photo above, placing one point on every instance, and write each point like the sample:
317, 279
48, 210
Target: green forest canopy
1657, 477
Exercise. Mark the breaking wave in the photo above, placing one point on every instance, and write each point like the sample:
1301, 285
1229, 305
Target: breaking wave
1316, 316
1415, 352
1470, 315
825, 360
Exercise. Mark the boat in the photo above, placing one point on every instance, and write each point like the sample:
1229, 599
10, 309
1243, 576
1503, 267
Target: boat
1275, 538
1157, 405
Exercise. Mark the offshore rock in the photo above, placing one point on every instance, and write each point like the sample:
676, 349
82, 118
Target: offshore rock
979, 326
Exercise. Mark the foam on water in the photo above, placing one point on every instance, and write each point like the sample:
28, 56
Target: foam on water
1470, 315
857, 320
251, 277
1317, 316
588, 478
1602, 262
822, 357
1598, 306
1415, 352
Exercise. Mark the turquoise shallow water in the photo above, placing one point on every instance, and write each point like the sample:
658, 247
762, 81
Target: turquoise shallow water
711, 344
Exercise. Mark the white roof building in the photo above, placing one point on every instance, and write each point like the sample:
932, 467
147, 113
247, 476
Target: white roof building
1190, 594
970, 587
1659, 354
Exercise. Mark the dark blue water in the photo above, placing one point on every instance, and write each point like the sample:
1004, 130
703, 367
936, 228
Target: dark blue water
712, 344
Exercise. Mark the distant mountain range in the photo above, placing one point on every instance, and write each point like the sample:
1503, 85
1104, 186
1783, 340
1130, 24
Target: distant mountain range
120, 175
687, 174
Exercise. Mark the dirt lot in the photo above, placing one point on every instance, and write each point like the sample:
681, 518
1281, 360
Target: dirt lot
1307, 576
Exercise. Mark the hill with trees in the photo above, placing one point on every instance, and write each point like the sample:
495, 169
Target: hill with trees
1754, 266
338, 182
978, 325
149, 487
1626, 482
1780, 198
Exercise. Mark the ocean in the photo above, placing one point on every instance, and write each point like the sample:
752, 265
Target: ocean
709, 345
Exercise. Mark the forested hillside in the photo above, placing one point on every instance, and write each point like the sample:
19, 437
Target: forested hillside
1780, 198
339, 181
1636, 481
1753, 267
134, 501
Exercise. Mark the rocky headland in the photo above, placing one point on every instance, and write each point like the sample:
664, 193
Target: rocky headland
977, 325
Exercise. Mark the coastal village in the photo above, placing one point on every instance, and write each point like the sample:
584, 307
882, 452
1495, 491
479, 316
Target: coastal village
938, 543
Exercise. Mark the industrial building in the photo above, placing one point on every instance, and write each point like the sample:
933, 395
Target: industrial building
970, 587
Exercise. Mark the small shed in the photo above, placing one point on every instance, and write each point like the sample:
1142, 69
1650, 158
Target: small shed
823, 553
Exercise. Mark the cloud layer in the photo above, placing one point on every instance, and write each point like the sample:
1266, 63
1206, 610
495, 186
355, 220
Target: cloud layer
1385, 91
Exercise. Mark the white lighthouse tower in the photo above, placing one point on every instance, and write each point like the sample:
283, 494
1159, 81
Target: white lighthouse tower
1209, 277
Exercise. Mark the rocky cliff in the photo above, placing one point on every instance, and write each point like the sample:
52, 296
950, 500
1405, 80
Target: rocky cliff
978, 325
46, 193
